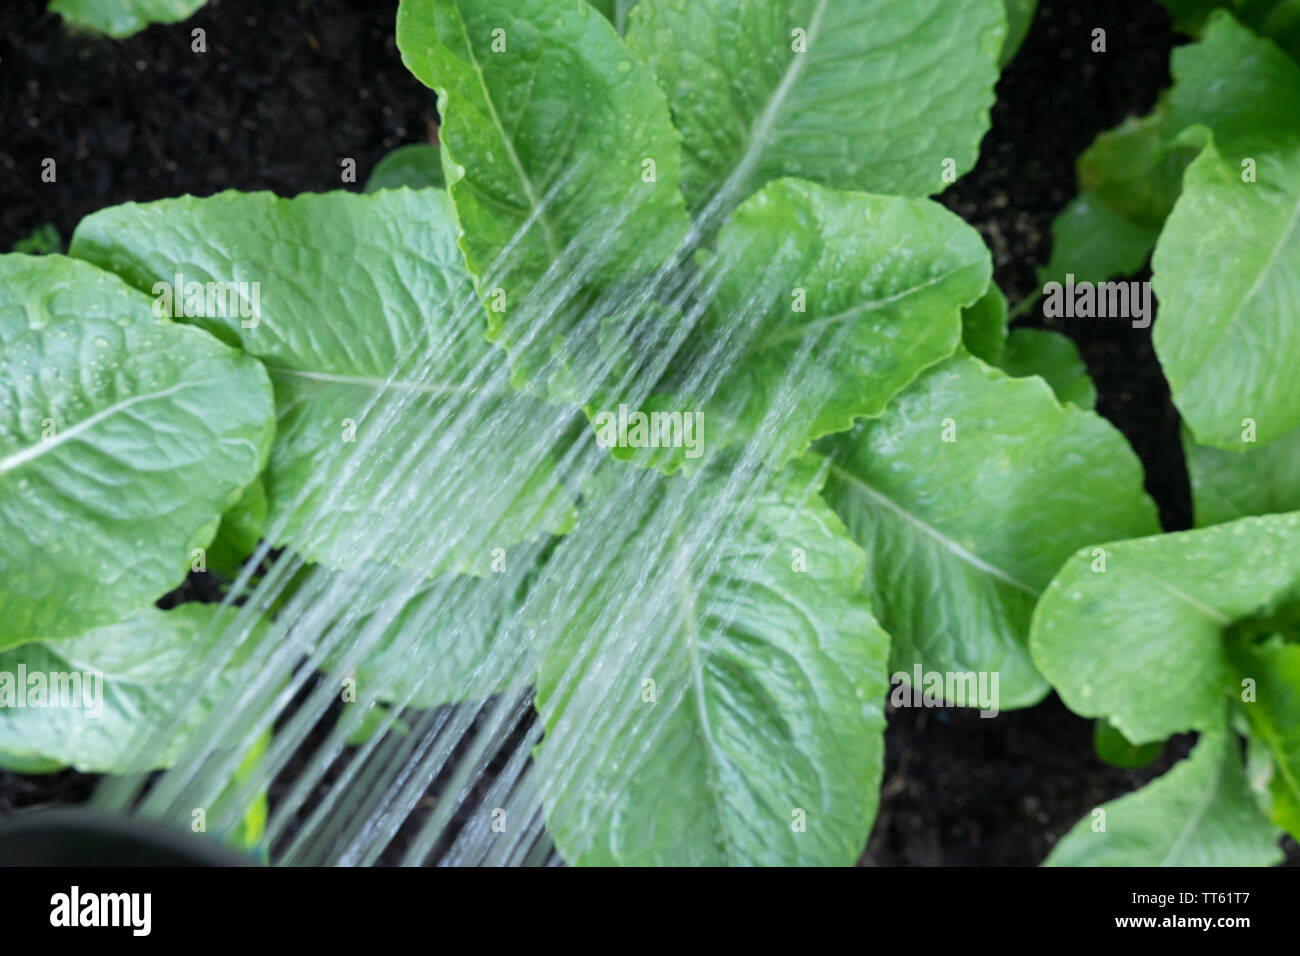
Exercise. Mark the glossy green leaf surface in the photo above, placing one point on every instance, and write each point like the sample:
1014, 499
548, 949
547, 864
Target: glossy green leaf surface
1020, 14
122, 18
1054, 358
115, 692
1251, 479
454, 641
415, 166
868, 95
1092, 242
558, 145
758, 740
1200, 813
821, 350
123, 438
968, 494
345, 354
1227, 273
1271, 662
984, 326
1106, 638
1113, 748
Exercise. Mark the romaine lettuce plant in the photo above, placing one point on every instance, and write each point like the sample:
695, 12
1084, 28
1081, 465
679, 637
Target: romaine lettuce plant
1197, 631
1181, 632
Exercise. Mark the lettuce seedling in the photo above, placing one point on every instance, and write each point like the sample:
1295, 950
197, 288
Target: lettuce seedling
655, 136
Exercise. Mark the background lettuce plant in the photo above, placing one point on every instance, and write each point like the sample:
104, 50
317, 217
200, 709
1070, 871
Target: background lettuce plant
1208, 180
1194, 631
1181, 632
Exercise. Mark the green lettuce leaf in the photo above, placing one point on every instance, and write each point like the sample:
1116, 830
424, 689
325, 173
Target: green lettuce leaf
763, 741
782, 262
1142, 641
123, 437
1093, 242
869, 95
962, 536
42, 241
1130, 177
1238, 84
1279, 20
1054, 358
1189, 16
549, 129
240, 532
1227, 273
415, 166
1113, 748
984, 326
1020, 14
386, 284
1273, 664
122, 18
1223, 292
455, 640
615, 11
132, 678
1248, 480
1200, 813
1232, 82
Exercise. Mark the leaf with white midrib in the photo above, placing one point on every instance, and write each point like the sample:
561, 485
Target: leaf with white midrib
1199, 813
1162, 598
367, 314
769, 681
157, 429
962, 535
844, 112
973, 560
534, 189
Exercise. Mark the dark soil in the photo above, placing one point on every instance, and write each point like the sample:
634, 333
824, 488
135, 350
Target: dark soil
290, 89
1052, 101
286, 91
